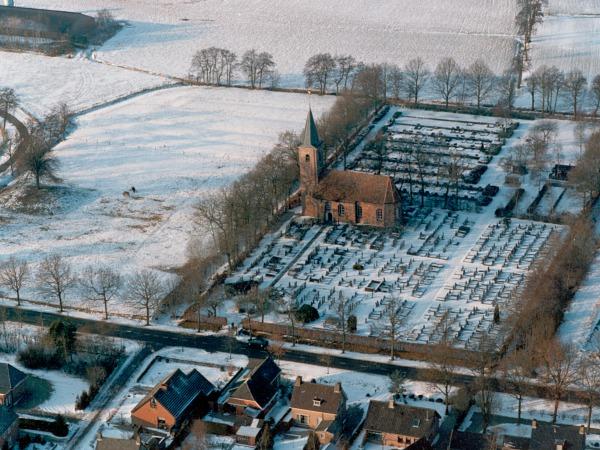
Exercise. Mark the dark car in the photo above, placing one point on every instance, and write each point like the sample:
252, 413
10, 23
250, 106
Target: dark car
258, 342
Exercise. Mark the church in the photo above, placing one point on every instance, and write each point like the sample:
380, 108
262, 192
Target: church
342, 195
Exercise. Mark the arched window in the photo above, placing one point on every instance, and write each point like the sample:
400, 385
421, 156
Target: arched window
379, 214
341, 210
307, 158
327, 206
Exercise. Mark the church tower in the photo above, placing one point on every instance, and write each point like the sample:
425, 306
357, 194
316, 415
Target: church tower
310, 156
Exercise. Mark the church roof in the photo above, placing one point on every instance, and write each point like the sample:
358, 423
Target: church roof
310, 135
349, 186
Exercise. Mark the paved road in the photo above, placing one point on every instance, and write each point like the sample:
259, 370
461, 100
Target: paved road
157, 339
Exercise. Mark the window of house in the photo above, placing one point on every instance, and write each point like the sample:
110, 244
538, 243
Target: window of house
316, 402
341, 210
152, 403
162, 423
379, 215
327, 206
307, 158
359, 211
303, 419
416, 422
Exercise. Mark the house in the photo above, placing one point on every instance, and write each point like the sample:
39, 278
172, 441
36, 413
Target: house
170, 404
12, 384
256, 391
395, 425
546, 436
318, 406
9, 427
250, 434
342, 195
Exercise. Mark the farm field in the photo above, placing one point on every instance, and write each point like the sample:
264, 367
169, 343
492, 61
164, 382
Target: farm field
173, 146
42, 82
164, 38
569, 37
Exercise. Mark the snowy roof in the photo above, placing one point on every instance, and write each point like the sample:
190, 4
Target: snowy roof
316, 397
349, 186
178, 391
399, 419
248, 431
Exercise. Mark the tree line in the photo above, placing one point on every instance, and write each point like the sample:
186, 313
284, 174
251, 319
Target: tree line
55, 278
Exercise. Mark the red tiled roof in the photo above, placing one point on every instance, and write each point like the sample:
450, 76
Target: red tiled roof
349, 186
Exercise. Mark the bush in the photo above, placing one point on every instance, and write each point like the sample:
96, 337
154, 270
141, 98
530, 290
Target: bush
82, 401
39, 357
358, 266
306, 314
352, 323
58, 428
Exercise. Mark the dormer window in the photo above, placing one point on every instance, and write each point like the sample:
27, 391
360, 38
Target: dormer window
317, 402
416, 422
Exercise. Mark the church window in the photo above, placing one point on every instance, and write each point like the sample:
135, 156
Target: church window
307, 158
379, 215
341, 210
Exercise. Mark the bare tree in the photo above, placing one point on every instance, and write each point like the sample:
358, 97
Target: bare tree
257, 66
416, 75
480, 80
398, 381
101, 283
345, 67
265, 68
395, 81
13, 275
516, 368
421, 161
574, 85
8, 102
441, 361
287, 305
319, 70
533, 87
446, 78
589, 377
560, 370
595, 91
506, 87
343, 307
585, 176
530, 14
145, 289
392, 314
55, 277
37, 158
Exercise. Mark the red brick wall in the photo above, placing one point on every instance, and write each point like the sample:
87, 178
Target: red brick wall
316, 208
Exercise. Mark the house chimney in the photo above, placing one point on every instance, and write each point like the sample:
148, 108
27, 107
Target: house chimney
164, 386
337, 388
391, 403
298, 381
99, 436
533, 424
582, 429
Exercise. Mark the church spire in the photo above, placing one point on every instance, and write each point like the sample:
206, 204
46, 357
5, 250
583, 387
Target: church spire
310, 136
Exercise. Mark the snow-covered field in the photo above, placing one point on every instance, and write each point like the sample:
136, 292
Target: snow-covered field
173, 146
569, 37
41, 82
163, 37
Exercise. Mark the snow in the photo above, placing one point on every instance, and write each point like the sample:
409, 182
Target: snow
163, 38
174, 146
569, 37
42, 82
65, 387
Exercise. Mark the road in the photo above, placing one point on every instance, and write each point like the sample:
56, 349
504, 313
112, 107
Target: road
157, 338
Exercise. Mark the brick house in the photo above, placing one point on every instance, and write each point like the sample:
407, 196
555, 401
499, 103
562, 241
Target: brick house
547, 436
342, 195
12, 384
257, 389
395, 425
170, 404
318, 406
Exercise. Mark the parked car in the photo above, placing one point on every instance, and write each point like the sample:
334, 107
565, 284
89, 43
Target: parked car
258, 342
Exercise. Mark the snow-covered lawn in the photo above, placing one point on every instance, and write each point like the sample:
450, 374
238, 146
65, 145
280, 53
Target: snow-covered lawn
569, 37
41, 82
173, 146
65, 388
163, 37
